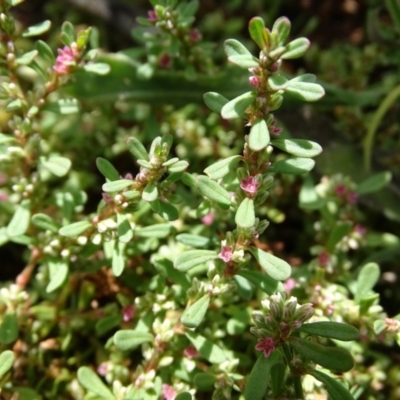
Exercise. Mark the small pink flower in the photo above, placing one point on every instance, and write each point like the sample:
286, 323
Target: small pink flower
208, 219
102, 369
266, 345
276, 130
66, 57
194, 35
151, 16
168, 392
289, 284
352, 197
191, 352
340, 190
226, 253
128, 312
361, 230
254, 81
106, 197
164, 61
249, 185
323, 258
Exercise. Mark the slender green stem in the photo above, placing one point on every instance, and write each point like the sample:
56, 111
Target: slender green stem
373, 126
296, 379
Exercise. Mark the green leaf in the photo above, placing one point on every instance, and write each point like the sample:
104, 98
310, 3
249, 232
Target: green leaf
118, 258
19, 223
293, 166
37, 29
259, 135
57, 165
166, 268
97, 68
68, 31
6, 362
107, 323
296, 48
335, 390
305, 90
26, 58
165, 210
192, 258
43, 221
213, 191
366, 280
277, 82
275, 267
298, 147
282, 28
278, 375
215, 101
14, 105
210, 351
45, 51
340, 230
127, 339
237, 107
91, 381
9, 328
150, 192
244, 61
107, 169
233, 47
63, 106
124, 229
58, 272
154, 231
184, 396
194, 315
308, 197
204, 380
257, 381
222, 167
263, 282
330, 329
332, 358
192, 240
393, 7
374, 183
180, 166
117, 186
74, 229
137, 149
245, 216
258, 33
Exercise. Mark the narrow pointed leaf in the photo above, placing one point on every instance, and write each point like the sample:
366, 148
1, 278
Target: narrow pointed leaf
237, 107
209, 350
215, 101
127, 339
233, 47
245, 216
194, 315
58, 271
221, 168
74, 229
45, 51
213, 190
20, 221
298, 147
107, 169
257, 381
330, 329
332, 358
293, 166
259, 135
192, 258
6, 362
366, 280
334, 388
136, 147
374, 183
275, 267
296, 48
92, 382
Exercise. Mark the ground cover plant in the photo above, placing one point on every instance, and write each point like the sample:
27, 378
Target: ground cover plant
163, 235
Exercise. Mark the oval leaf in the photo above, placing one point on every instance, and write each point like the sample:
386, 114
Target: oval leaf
330, 329
298, 147
215, 101
150, 192
296, 48
257, 382
116, 186
277, 82
193, 240
332, 358
374, 183
206, 348
118, 258
340, 230
57, 165
221, 168
97, 68
37, 29
107, 169
275, 267
128, 339
91, 381
257, 32
213, 191
43, 221
6, 362
245, 216
74, 229
20, 221
367, 279
305, 90
336, 390
244, 61
58, 272
192, 258
293, 166
154, 231
237, 107
184, 396
193, 316
259, 135
263, 282
233, 47
136, 147
9, 328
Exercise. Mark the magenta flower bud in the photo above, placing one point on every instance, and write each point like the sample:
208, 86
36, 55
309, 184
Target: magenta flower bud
191, 352
352, 197
254, 81
340, 190
323, 259
208, 219
164, 61
194, 35
276, 130
151, 16
128, 312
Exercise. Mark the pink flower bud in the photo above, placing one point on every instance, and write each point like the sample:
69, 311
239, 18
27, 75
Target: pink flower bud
254, 81
151, 16
128, 312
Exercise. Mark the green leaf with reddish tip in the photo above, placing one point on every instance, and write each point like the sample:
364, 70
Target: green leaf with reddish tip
237, 107
259, 137
245, 216
233, 47
194, 314
332, 358
293, 166
275, 267
334, 388
215, 101
296, 48
258, 32
244, 61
